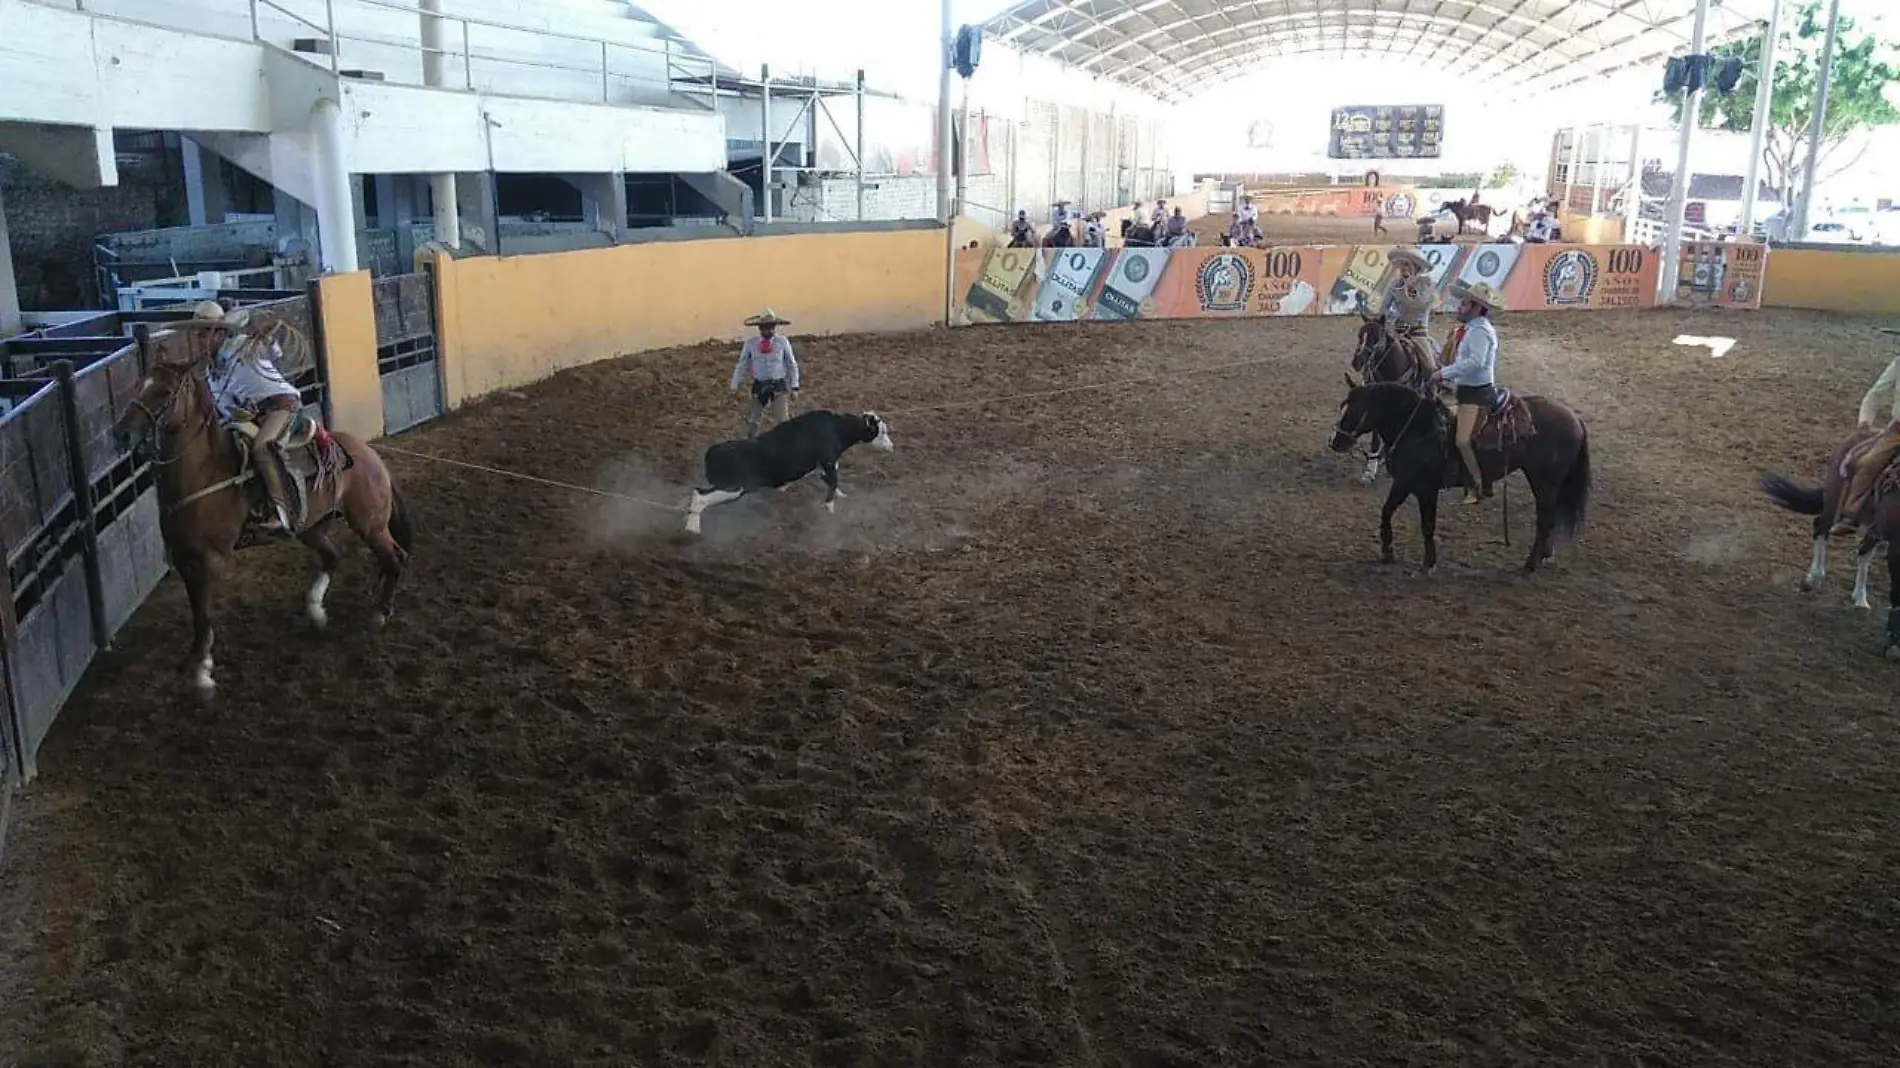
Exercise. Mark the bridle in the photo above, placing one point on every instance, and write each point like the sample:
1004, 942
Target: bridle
155, 431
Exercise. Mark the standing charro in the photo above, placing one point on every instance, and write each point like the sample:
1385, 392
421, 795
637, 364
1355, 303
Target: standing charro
768, 359
1406, 307
245, 383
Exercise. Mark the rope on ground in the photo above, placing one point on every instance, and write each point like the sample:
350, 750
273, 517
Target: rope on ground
383, 447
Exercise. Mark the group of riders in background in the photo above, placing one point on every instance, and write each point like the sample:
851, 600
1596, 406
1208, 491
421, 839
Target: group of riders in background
1535, 223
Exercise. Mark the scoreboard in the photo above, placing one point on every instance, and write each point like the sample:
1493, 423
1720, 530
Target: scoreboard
1406, 131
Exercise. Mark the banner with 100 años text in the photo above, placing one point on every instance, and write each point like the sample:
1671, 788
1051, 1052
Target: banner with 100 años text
1003, 285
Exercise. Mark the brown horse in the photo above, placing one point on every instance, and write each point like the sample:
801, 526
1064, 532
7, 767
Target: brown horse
1824, 504
1382, 356
1549, 443
209, 496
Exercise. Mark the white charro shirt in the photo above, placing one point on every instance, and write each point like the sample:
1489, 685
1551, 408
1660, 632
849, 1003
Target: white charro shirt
1884, 398
1477, 361
246, 382
769, 359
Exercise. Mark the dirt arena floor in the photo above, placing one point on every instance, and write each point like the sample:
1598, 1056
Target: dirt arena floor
1087, 732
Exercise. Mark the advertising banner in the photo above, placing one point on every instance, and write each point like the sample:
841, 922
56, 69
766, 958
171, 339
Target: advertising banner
1004, 285
1720, 274
1350, 201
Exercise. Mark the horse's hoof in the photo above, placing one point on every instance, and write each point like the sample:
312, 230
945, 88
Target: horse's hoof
1808, 585
1861, 605
378, 620
1893, 652
1388, 559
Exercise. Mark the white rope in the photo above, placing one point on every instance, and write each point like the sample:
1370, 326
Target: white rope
380, 447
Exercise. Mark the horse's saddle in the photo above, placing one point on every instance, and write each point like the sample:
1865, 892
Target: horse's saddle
311, 459
1506, 422
303, 429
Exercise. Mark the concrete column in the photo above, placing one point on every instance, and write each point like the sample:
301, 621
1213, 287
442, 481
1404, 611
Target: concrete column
9, 289
475, 205
435, 71
359, 201
205, 200
448, 219
603, 200
336, 219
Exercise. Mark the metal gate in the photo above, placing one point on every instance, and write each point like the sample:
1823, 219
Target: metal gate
406, 350
78, 532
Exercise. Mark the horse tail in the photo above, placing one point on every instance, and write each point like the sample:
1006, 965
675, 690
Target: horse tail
402, 525
1573, 497
1800, 500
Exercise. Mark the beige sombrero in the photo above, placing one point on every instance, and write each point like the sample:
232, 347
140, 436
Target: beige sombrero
1411, 256
768, 317
1483, 293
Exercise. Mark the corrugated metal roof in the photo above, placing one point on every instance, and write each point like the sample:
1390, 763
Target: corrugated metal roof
1176, 48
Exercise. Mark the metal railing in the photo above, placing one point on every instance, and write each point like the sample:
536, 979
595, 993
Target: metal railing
669, 63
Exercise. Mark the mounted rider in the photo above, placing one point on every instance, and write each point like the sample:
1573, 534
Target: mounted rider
1880, 406
1094, 234
1177, 226
246, 385
1473, 372
1406, 307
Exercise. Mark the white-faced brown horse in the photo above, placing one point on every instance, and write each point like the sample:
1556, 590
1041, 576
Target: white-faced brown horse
1535, 435
209, 498
1824, 504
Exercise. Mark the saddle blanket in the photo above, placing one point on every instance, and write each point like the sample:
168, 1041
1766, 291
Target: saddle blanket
1507, 422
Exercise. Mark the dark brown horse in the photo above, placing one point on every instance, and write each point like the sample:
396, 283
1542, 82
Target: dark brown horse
1823, 504
209, 497
1380, 355
1551, 447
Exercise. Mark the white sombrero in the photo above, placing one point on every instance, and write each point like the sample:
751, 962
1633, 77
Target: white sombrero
1482, 293
1406, 255
768, 317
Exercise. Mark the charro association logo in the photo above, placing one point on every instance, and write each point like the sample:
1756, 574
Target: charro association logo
1488, 264
1570, 278
1400, 206
1135, 269
1224, 283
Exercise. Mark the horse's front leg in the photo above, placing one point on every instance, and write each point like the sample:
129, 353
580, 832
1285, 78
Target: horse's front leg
1373, 461
1817, 566
199, 573
1863, 563
1893, 599
1393, 500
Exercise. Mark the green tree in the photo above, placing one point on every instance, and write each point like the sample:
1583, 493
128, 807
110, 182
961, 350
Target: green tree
1502, 175
1858, 95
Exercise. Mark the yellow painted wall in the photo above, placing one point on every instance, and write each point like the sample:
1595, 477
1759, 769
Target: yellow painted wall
1833, 280
349, 352
510, 320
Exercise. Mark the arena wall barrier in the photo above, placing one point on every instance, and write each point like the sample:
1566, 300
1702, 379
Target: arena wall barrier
347, 326
1856, 281
1049, 285
511, 320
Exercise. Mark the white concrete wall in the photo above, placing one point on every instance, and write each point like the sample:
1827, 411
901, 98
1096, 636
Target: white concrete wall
520, 47
68, 68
